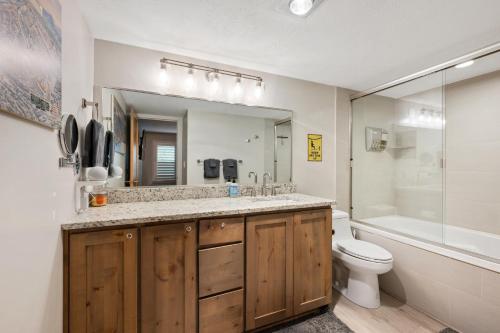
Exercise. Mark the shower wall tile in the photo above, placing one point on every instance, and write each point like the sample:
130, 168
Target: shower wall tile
473, 185
480, 216
468, 156
472, 314
491, 287
460, 295
472, 155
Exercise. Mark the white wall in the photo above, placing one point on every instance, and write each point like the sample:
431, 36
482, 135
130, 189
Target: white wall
37, 196
223, 136
313, 104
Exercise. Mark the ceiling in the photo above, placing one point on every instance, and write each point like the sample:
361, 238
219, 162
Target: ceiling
163, 105
354, 44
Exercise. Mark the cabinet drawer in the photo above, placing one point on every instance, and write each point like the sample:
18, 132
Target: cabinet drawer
220, 269
222, 313
220, 231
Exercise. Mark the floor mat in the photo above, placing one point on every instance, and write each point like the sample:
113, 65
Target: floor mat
325, 322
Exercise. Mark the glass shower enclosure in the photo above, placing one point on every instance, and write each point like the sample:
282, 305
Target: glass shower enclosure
426, 157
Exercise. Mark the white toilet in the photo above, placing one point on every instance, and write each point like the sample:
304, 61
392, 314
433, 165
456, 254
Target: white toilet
364, 260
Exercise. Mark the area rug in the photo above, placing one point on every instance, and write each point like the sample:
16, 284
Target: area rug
325, 322
448, 330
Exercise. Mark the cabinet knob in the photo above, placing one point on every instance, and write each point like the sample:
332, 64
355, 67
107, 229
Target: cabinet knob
188, 228
222, 225
129, 235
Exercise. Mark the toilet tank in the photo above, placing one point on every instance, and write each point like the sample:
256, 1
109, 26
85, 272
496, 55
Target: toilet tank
342, 226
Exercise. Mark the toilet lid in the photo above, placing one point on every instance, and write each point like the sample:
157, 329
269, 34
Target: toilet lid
364, 250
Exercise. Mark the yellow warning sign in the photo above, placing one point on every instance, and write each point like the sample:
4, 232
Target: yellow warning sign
314, 146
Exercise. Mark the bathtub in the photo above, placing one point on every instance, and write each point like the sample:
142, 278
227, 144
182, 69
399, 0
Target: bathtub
475, 247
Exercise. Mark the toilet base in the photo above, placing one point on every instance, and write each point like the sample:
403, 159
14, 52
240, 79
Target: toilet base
362, 289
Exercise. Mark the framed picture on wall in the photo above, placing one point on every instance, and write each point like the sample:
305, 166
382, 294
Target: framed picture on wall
314, 147
30, 53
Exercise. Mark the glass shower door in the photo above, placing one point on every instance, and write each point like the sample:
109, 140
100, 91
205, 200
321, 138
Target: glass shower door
397, 151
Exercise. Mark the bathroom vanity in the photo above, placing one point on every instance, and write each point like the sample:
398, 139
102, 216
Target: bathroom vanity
197, 265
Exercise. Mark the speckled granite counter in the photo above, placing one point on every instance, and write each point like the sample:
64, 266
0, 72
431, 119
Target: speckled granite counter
124, 214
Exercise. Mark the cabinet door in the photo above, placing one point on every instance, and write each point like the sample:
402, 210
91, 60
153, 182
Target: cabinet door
168, 278
103, 282
269, 269
312, 258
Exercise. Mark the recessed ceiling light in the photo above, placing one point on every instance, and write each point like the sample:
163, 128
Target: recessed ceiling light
301, 7
465, 64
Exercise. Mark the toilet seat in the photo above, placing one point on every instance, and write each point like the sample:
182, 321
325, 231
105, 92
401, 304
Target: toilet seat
364, 250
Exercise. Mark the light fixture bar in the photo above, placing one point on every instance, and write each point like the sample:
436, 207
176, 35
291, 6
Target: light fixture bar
165, 61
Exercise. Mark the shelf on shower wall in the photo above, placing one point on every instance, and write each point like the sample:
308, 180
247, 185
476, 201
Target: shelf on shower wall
403, 137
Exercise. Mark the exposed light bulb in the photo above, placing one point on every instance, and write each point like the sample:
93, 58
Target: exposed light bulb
213, 81
437, 120
259, 87
163, 74
421, 116
465, 64
300, 7
428, 118
190, 83
237, 87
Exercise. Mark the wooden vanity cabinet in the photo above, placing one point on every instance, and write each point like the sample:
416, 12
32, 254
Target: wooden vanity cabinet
312, 260
269, 269
288, 272
229, 274
221, 259
168, 278
103, 281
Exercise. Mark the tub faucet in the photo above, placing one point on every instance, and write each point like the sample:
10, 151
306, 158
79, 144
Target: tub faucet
267, 177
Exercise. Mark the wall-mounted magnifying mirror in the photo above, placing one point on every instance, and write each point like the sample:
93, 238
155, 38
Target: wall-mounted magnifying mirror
68, 140
68, 135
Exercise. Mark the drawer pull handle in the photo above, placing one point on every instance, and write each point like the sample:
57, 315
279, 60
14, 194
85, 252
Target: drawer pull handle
188, 228
129, 236
222, 225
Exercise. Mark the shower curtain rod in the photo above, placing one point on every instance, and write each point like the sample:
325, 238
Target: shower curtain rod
493, 48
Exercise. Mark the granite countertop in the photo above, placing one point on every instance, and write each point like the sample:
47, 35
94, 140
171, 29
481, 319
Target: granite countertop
123, 214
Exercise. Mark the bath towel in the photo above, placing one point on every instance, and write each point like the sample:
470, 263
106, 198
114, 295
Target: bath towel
93, 150
211, 168
230, 169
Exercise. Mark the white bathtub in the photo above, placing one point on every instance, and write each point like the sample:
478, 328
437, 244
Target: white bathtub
484, 244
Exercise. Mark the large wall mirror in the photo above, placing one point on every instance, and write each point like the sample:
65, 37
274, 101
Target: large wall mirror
165, 140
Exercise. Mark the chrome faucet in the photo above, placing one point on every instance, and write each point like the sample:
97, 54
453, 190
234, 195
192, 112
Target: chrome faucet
265, 179
254, 176
254, 190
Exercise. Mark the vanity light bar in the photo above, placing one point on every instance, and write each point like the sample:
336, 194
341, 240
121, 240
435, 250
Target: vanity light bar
207, 69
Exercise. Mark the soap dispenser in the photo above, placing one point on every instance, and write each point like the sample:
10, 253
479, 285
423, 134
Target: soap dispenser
234, 189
